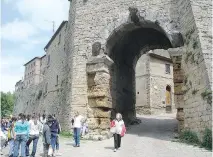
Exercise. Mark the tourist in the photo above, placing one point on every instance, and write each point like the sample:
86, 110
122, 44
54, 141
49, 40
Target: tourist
57, 139
46, 136
28, 117
55, 130
11, 136
43, 119
118, 129
77, 128
3, 140
21, 135
35, 129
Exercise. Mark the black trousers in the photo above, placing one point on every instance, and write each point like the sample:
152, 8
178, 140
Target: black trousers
45, 149
117, 141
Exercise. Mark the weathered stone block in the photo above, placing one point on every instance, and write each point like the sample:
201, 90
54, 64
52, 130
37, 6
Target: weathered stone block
179, 101
92, 123
100, 102
98, 113
100, 67
105, 123
178, 88
101, 78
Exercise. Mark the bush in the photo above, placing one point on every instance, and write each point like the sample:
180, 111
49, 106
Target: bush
66, 134
189, 137
207, 139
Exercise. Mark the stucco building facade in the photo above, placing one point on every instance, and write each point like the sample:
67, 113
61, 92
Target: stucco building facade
95, 60
154, 83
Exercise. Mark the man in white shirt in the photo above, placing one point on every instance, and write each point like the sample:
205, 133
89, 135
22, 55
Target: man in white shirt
77, 128
35, 129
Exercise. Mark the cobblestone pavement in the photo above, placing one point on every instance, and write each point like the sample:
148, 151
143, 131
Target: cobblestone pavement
152, 138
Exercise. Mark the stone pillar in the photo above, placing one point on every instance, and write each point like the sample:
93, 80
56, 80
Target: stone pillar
99, 105
178, 75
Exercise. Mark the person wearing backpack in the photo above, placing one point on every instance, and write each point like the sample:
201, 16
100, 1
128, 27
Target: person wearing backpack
10, 136
55, 130
118, 129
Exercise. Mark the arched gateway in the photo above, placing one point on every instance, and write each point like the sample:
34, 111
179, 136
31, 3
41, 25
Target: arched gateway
91, 62
111, 73
120, 32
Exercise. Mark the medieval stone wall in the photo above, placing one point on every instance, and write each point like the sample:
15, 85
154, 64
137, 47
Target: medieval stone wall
92, 21
50, 95
196, 64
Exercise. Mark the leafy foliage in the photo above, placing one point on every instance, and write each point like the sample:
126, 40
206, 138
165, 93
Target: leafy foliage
66, 134
7, 103
207, 139
189, 137
207, 95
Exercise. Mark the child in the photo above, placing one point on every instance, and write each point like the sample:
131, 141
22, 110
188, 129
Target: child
84, 128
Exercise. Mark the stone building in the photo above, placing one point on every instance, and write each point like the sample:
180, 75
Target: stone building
32, 74
92, 68
154, 83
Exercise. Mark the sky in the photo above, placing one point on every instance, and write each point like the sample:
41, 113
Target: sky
26, 27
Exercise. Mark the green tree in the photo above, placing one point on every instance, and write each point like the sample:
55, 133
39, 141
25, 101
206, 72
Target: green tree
7, 103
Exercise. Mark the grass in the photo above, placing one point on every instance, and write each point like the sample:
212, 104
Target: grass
207, 139
190, 137
66, 134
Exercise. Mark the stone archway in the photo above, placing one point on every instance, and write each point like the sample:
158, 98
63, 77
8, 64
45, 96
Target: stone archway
125, 47
111, 73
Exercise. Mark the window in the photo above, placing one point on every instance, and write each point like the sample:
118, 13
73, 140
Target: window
167, 66
59, 38
46, 88
56, 80
48, 60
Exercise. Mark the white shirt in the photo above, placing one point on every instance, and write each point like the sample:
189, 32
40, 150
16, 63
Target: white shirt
118, 126
35, 129
77, 121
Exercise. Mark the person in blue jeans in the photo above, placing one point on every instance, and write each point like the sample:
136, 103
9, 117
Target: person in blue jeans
55, 130
35, 129
77, 128
11, 135
21, 130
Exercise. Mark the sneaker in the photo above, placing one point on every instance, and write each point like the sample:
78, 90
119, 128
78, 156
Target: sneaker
115, 150
58, 154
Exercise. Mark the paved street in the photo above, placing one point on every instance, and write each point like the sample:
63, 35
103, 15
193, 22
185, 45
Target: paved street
152, 138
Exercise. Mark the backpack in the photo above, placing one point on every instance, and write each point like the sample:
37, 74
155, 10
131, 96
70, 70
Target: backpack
9, 136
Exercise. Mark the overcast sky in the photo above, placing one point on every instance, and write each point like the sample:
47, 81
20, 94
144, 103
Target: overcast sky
25, 30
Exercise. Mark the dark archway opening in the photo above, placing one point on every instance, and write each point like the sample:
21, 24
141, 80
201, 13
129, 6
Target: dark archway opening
125, 49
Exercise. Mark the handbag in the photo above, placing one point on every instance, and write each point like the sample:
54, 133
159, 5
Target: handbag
123, 131
112, 127
50, 151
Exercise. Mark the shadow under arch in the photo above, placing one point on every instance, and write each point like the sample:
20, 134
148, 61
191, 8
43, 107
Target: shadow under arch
125, 46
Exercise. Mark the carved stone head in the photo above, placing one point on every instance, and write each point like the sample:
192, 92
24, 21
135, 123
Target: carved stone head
96, 48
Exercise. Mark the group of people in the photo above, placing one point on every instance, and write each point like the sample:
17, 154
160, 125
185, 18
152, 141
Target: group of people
23, 130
